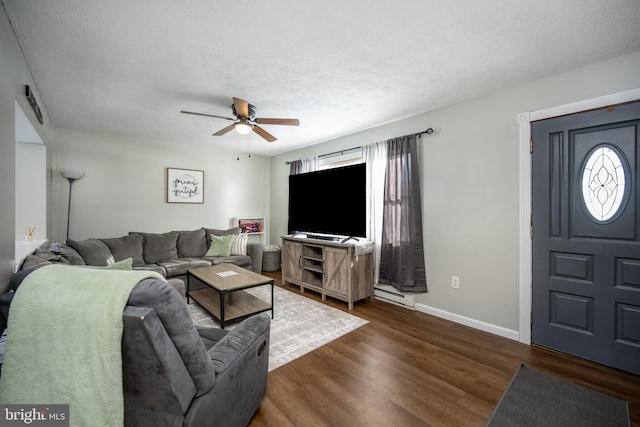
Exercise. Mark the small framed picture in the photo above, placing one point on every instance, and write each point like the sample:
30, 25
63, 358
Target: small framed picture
185, 186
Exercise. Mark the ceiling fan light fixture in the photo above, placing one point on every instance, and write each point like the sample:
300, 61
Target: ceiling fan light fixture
243, 128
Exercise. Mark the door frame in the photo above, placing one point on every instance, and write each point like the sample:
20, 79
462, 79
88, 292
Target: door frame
525, 180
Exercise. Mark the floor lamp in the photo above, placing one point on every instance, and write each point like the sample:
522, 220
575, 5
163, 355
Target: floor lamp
71, 176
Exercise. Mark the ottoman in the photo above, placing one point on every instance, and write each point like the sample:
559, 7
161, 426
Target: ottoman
271, 258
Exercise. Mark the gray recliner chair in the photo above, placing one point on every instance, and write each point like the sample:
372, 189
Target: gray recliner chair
175, 374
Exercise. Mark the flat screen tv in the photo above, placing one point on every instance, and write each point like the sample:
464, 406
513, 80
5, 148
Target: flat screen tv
330, 201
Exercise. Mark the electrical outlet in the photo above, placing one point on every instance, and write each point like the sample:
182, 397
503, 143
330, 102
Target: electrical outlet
455, 282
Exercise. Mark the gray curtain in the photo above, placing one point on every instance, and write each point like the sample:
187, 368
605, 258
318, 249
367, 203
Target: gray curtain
401, 252
295, 167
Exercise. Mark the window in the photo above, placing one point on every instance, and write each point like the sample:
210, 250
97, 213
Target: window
604, 183
341, 158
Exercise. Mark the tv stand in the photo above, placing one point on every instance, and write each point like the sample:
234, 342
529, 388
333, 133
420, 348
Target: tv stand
331, 268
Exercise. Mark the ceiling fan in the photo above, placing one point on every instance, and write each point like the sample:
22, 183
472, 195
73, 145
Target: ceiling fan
246, 120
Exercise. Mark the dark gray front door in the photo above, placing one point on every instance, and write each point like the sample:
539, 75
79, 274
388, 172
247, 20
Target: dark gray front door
586, 237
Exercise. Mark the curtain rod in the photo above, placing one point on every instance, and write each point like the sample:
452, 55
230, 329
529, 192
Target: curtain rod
346, 150
429, 131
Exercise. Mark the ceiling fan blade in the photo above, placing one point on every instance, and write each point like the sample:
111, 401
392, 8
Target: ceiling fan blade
242, 107
224, 130
271, 121
206, 115
263, 133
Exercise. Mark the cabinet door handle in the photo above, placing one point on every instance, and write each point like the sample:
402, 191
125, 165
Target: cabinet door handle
300, 261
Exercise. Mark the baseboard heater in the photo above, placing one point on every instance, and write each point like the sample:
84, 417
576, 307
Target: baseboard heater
390, 295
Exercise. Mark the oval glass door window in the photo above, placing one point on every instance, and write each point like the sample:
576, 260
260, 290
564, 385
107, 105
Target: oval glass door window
603, 183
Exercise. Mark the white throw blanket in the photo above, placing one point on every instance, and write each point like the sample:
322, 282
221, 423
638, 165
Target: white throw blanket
64, 342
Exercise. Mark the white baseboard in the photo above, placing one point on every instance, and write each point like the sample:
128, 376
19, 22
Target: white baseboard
467, 321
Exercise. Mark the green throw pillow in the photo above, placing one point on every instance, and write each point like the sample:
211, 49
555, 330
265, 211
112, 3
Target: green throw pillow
220, 245
125, 264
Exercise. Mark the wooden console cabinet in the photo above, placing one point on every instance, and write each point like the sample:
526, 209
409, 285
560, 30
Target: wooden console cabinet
330, 268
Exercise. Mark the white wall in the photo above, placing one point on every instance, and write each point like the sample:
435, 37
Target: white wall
14, 75
31, 190
469, 173
125, 180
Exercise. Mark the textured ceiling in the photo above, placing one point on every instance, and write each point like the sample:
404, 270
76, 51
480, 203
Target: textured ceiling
128, 67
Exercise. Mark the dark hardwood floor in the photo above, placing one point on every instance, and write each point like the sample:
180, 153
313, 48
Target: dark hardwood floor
406, 368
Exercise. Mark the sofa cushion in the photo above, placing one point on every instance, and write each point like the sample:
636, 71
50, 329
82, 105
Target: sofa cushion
178, 285
192, 243
126, 247
174, 315
239, 260
125, 264
158, 247
211, 336
218, 232
50, 255
53, 254
93, 251
33, 262
152, 267
67, 252
179, 266
220, 245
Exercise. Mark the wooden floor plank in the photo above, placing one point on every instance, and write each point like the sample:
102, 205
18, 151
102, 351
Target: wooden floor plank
411, 369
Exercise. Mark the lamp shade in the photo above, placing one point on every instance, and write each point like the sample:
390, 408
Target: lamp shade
71, 173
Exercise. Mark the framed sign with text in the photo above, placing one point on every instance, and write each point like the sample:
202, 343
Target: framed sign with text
185, 186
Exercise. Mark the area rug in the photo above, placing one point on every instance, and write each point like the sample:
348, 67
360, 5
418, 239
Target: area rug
534, 398
300, 324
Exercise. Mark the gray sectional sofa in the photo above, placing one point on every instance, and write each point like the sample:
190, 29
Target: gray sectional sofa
174, 373
171, 254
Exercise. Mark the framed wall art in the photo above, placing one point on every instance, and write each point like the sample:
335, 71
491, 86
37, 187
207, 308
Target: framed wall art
185, 186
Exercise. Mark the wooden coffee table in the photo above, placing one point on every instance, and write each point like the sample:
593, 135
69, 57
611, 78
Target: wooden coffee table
223, 295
